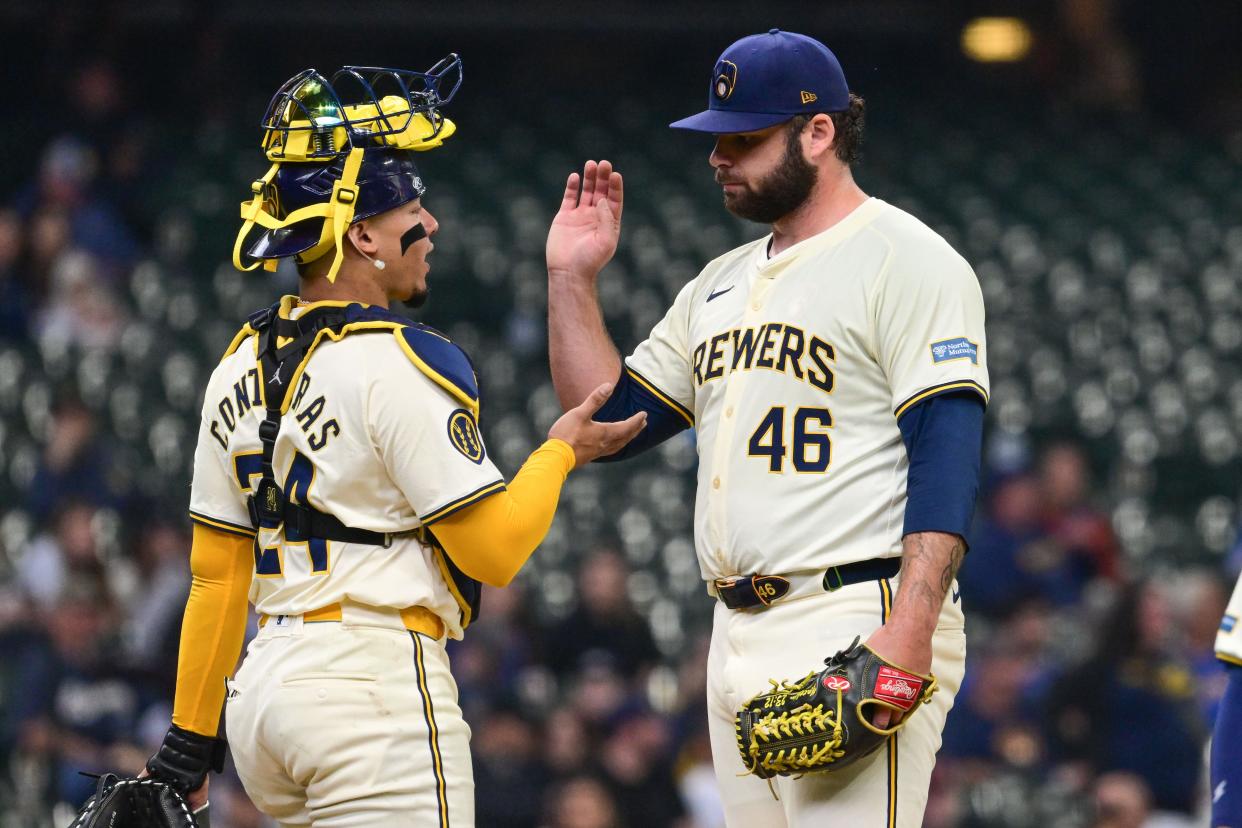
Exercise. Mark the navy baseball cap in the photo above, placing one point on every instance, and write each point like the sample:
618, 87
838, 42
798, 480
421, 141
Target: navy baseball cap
766, 79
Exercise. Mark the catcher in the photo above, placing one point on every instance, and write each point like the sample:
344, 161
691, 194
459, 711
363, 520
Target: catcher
342, 485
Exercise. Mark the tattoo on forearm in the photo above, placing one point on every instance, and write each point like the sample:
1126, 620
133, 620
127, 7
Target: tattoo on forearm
950, 569
919, 579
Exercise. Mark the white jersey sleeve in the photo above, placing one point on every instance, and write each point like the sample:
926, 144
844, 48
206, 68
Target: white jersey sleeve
1229, 637
661, 363
430, 445
929, 325
217, 498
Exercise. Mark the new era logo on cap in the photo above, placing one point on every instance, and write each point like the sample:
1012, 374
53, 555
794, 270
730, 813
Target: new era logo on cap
766, 79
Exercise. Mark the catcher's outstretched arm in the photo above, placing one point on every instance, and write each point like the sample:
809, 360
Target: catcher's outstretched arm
491, 540
213, 627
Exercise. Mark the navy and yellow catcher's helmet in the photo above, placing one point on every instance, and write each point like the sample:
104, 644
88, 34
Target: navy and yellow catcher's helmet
341, 151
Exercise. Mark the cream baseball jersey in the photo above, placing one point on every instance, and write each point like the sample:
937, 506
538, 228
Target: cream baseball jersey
1229, 637
795, 369
375, 436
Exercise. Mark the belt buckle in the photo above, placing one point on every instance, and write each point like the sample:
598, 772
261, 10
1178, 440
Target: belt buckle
725, 591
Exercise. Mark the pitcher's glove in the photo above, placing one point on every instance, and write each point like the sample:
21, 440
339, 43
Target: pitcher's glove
820, 722
134, 803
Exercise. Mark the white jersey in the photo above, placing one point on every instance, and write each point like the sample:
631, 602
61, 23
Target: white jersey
1229, 637
375, 436
795, 369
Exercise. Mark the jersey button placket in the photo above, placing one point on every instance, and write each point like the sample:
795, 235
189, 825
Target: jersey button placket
726, 450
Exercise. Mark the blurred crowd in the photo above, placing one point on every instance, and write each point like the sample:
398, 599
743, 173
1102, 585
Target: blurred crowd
1090, 691
1088, 698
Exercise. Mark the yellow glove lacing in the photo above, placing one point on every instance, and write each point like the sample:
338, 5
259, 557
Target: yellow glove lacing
822, 727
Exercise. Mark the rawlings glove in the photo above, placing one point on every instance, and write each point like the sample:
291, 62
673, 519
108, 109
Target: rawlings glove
820, 723
134, 803
184, 759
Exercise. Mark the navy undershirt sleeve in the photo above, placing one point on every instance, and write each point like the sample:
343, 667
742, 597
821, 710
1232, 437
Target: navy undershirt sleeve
944, 440
628, 398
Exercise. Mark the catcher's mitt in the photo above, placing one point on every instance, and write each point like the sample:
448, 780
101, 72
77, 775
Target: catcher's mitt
134, 803
820, 723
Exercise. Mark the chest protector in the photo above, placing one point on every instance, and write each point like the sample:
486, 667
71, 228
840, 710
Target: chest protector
284, 347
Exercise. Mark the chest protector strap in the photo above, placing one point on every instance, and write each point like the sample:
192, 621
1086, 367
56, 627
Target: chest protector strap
269, 506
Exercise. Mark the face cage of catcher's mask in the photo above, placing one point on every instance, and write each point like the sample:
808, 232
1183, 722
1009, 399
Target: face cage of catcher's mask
318, 102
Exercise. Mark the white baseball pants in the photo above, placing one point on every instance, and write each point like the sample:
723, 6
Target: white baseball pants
350, 725
790, 639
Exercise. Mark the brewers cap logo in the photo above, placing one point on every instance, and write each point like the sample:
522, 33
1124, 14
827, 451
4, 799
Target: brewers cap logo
463, 433
726, 79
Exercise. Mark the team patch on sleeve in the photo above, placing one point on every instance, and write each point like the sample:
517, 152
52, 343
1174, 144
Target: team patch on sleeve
947, 350
1228, 623
463, 433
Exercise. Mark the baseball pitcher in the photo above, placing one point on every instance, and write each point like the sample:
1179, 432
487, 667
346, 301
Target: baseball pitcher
835, 374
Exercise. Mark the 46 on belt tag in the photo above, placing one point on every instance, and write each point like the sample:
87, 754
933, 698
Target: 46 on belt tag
770, 588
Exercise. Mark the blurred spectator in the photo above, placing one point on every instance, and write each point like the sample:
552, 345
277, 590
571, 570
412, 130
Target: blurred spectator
583, 802
598, 691
507, 774
994, 578
603, 622
153, 622
49, 561
1121, 801
74, 465
1082, 530
47, 239
80, 309
1099, 65
1039, 540
991, 718
14, 292
495, 661
636, 770
1137, 683
1198, 602
66, 184
21, 640
76, 705
566, 745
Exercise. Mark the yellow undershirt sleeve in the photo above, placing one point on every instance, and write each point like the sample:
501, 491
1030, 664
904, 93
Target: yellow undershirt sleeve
491, 540
213, 627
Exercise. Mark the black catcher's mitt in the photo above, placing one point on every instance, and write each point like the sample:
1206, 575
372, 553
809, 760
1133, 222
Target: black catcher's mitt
820, 722
134, 803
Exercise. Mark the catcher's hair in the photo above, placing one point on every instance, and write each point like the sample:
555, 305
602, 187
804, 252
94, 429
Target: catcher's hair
849, 127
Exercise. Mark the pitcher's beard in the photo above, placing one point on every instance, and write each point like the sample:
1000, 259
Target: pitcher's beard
784, 190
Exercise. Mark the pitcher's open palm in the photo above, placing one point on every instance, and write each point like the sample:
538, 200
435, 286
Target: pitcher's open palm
584, 234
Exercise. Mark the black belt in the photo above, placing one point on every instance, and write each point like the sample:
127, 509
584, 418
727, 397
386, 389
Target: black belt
757, 590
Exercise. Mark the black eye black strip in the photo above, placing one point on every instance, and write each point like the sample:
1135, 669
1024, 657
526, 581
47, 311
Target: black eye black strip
412, 235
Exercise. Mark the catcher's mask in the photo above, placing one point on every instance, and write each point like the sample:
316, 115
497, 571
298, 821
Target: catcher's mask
341, 151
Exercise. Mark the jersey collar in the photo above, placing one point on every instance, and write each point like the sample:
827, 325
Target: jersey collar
858, 218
